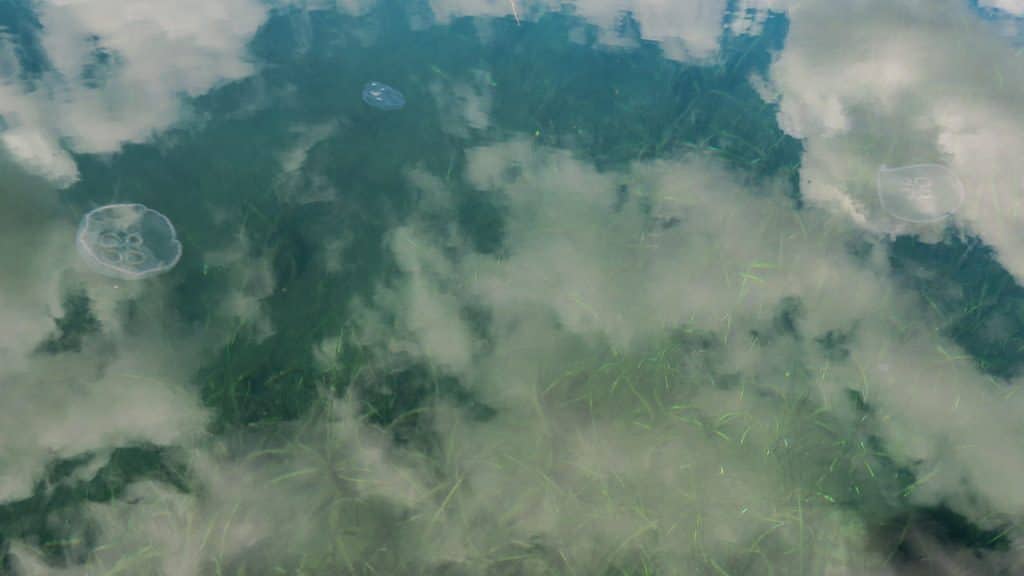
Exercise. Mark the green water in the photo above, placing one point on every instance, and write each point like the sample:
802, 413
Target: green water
613, 293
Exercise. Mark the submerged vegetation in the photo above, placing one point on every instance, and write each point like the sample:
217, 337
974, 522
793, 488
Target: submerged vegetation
353, 430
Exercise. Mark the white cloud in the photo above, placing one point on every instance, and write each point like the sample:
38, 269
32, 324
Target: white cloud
249, 281
749, 16
1014, 7
651, 403
121, 388
647, 406
339, 494
465, 106
298, 182
690, 249
688, 30
685, 30
118, 74
875, 83
126, 384
64, 410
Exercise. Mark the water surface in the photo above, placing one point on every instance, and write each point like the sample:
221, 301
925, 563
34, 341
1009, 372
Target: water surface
619, 287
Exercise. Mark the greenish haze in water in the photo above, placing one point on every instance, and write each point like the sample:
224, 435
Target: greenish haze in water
615, 292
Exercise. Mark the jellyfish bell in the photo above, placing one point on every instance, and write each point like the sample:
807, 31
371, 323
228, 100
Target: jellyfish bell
920, 193
128, 241
382, 97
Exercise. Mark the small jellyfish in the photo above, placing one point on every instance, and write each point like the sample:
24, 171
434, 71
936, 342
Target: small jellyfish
128, 241
919, 193
382, 96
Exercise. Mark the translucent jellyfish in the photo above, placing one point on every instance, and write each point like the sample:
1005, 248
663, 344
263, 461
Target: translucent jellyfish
382, 96
128, 241
919, 193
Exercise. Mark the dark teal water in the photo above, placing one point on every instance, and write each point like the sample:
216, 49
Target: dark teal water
617, 291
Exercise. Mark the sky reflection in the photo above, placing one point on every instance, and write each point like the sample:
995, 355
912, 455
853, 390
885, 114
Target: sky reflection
623, 286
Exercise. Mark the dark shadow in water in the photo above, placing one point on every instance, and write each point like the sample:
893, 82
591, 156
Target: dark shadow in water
76, 324
52, 519
974, 300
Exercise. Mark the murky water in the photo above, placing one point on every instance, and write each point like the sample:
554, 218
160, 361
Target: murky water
599, 287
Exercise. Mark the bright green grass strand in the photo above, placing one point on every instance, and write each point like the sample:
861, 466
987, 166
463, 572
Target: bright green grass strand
291, 475
728, 416
721, 571
643, 401
870, 470
636, 534
444, 504
125, 562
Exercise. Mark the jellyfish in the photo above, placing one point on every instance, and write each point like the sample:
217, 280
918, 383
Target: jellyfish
128, 241
382, 96
919, 193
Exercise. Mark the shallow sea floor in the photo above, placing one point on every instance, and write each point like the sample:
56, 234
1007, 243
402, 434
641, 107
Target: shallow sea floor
512, 287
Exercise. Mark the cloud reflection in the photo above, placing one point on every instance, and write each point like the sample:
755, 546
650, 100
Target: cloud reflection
682, 367
880, 83
115, 74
